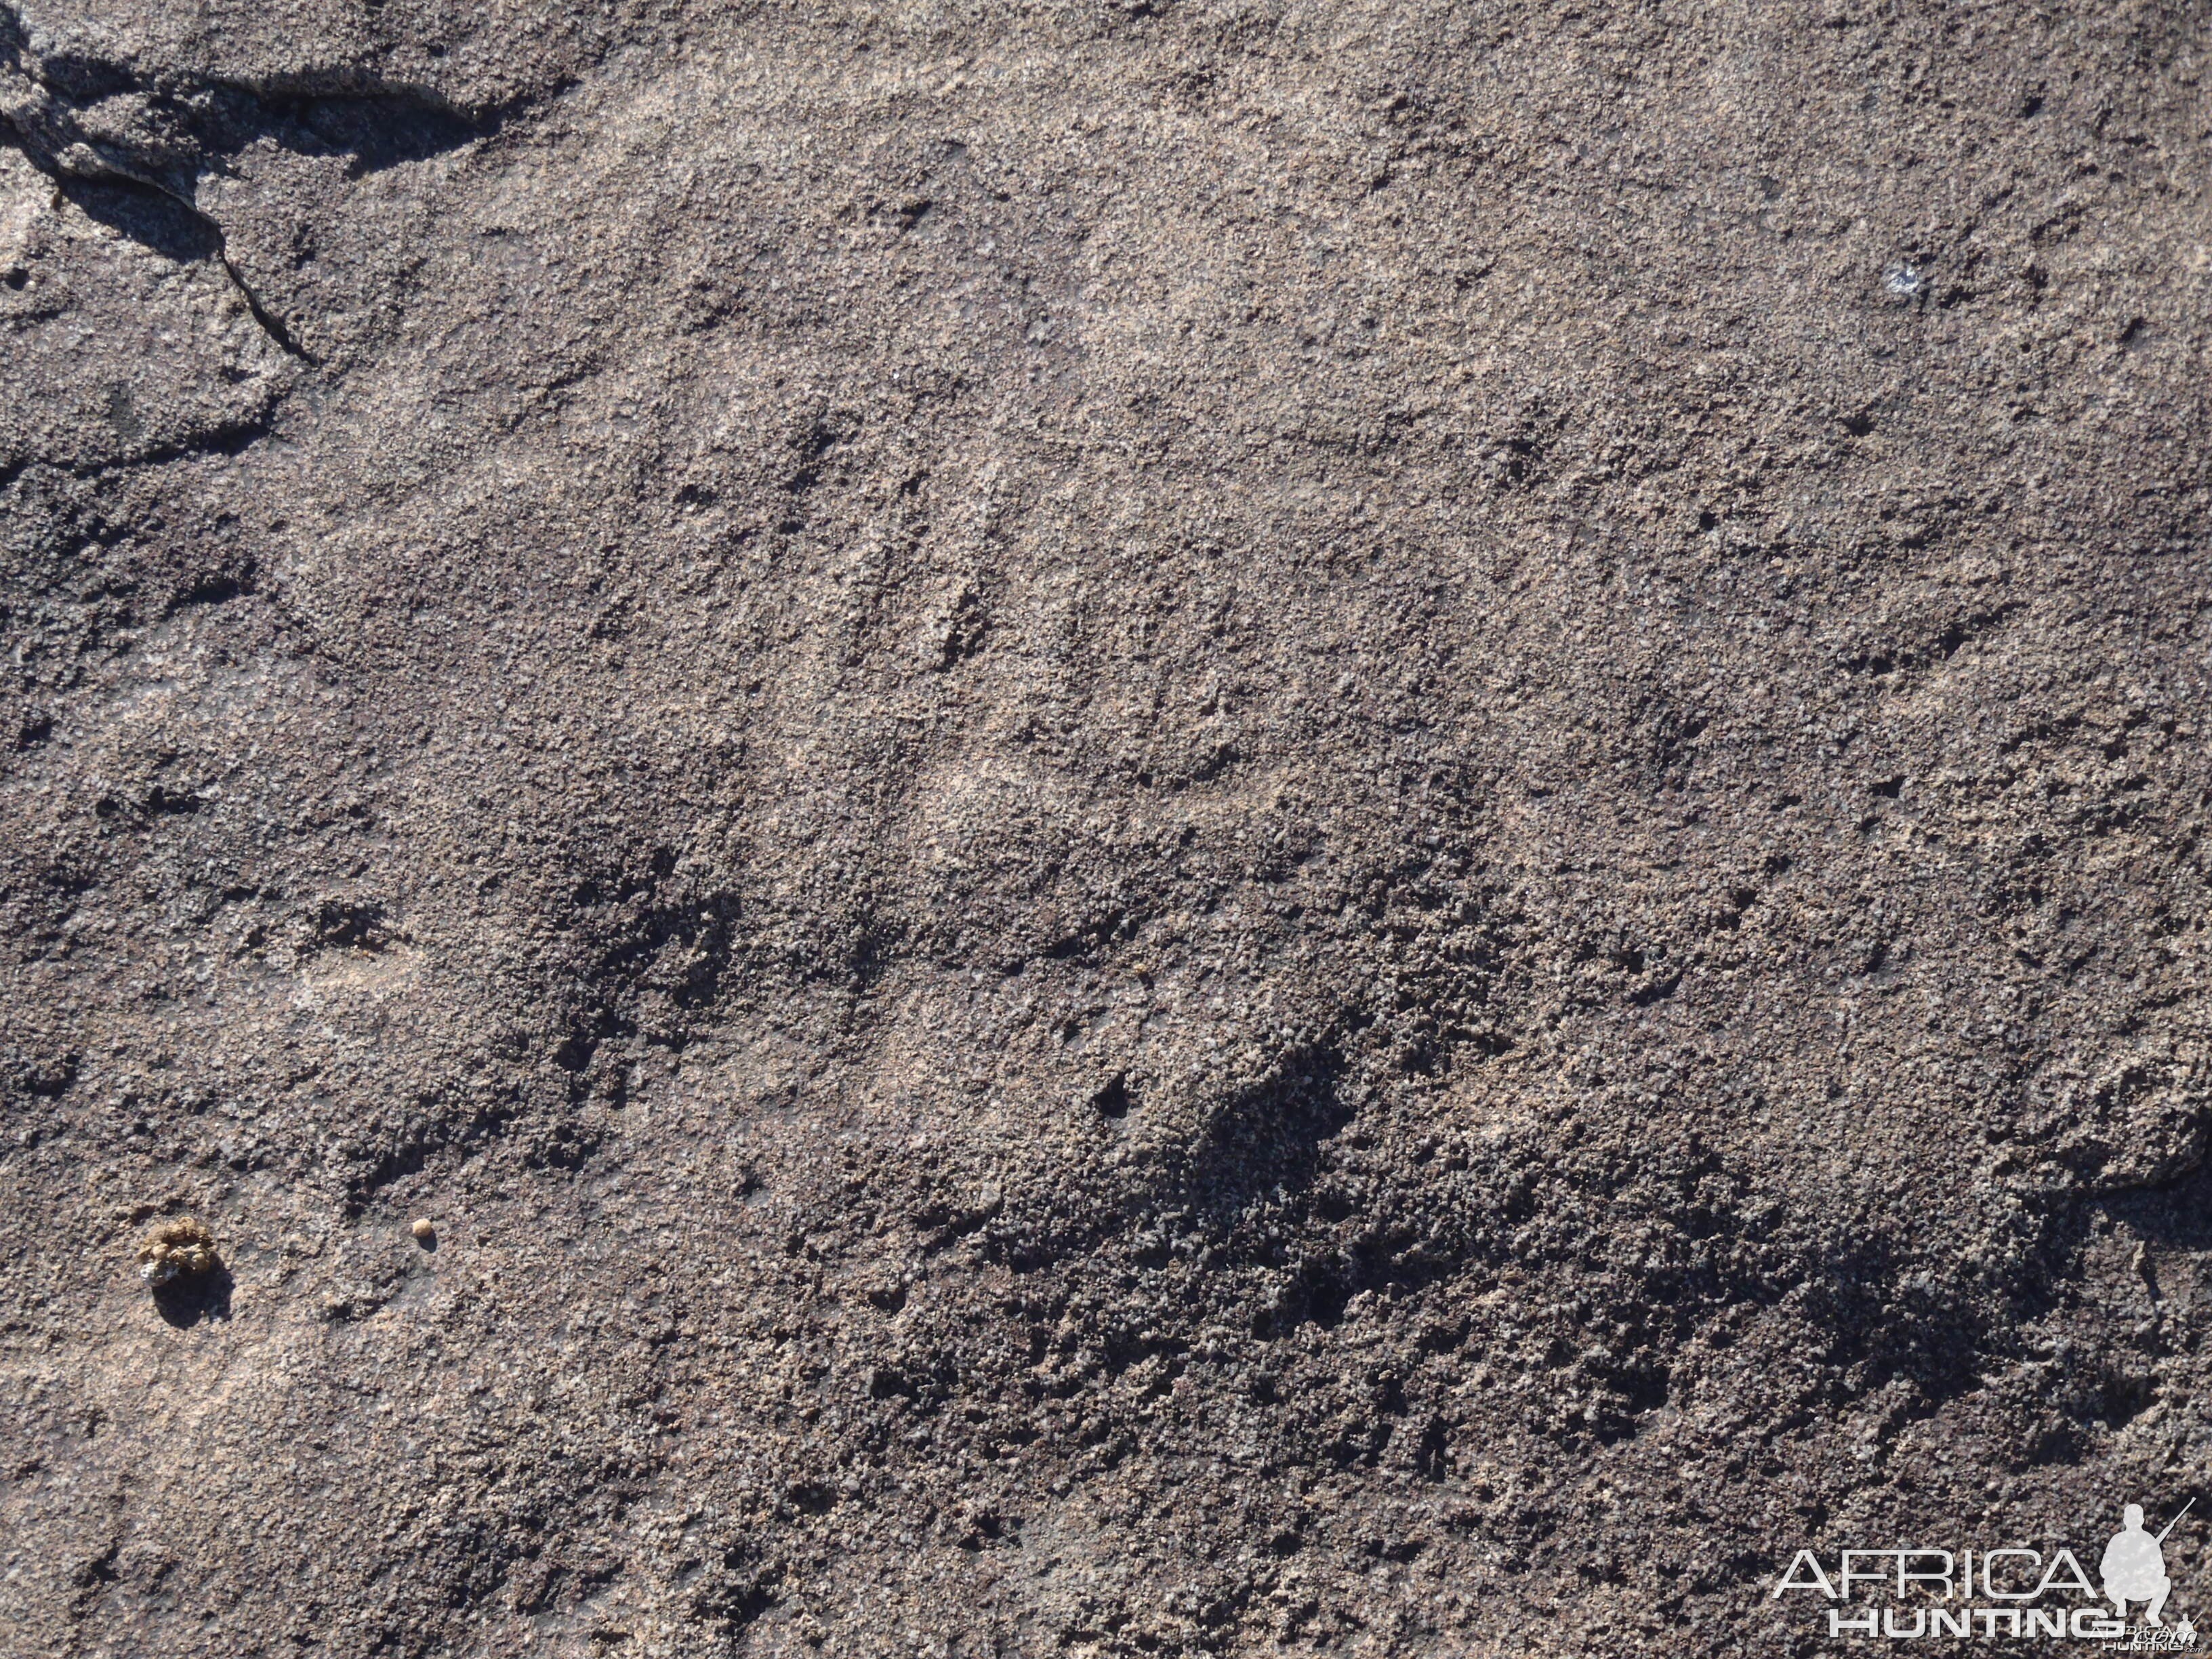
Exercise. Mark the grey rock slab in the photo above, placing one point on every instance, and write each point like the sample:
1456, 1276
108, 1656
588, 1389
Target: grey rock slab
1187, 828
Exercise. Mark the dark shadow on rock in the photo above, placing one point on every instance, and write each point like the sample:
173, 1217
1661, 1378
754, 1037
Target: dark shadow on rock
148, 216
1269, 1138
2177, 1216
183, 1301
376, 130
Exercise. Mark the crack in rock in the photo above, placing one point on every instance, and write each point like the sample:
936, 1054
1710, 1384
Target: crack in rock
85, 121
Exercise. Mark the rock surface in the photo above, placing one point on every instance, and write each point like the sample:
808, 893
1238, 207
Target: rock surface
1170, 827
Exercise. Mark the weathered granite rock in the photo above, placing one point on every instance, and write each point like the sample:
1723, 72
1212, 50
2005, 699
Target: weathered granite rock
1163, 827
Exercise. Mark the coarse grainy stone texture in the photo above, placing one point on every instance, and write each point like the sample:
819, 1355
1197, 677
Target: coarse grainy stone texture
1184, 827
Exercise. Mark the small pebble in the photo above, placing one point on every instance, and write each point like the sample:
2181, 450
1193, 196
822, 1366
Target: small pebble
424, 1229
176, 1249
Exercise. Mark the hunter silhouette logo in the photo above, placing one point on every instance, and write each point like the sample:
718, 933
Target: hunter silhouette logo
2014, 1592
2133, 1567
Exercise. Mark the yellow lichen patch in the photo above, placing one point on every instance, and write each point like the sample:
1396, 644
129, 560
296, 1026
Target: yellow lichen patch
177, 1247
